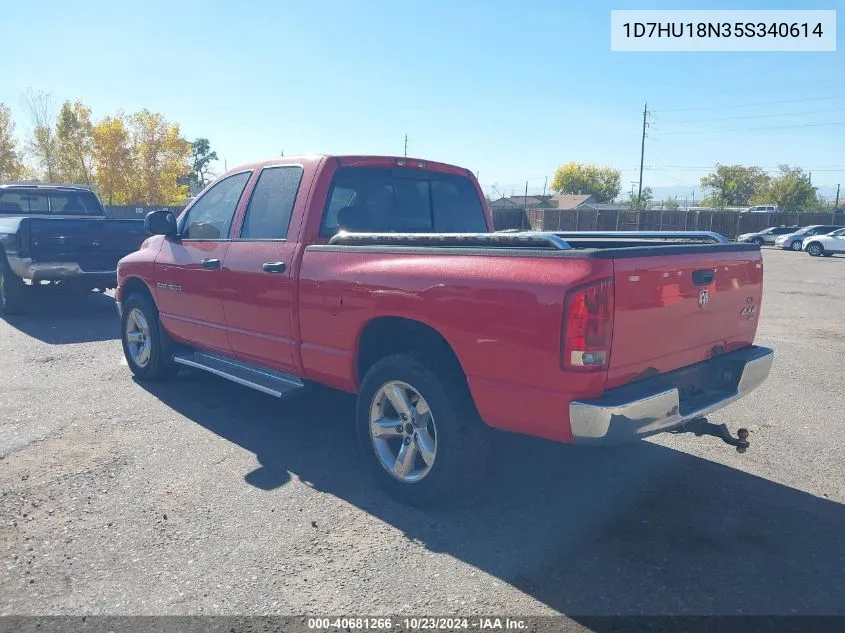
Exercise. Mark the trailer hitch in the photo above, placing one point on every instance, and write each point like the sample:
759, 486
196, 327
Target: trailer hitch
702, 426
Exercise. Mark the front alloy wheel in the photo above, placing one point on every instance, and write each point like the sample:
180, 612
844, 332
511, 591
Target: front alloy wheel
403, 432
815, 249
796, 246
137, 336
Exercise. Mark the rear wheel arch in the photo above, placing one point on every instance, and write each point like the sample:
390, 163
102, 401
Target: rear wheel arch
384, 336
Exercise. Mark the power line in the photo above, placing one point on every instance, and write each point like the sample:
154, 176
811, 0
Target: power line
757, 129
757, 116
751, 105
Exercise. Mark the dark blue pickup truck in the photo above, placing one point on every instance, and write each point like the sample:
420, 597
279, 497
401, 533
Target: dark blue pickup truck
53, 234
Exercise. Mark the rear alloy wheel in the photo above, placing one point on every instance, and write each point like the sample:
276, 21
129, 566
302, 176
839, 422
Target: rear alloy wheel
419, 430
796, 246
758, 241
815, 249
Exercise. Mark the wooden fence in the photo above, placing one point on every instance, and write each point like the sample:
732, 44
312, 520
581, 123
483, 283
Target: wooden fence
728, 223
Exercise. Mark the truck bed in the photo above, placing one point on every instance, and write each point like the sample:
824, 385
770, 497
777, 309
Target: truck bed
498, 299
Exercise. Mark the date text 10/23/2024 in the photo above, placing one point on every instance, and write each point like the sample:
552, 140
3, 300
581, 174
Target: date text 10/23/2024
415, 623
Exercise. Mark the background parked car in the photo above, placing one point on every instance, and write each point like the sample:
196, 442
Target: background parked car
826, 245
767, 236
762, 208
794, 241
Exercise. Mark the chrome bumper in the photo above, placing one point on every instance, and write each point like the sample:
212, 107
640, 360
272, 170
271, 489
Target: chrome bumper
668, 400
25, 268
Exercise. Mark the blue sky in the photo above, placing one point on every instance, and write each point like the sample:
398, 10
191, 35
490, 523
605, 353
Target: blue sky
508, 89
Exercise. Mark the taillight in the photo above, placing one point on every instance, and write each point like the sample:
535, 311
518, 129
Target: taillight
23, 239
587, 326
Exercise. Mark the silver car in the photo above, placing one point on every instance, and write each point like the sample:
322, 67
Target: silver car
766, 236
793, 241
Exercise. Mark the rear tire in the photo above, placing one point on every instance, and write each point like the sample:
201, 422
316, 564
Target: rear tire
12, 290
143, 340
815, 249
445, 443
758, 241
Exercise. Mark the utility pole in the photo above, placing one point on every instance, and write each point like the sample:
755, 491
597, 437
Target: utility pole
525, 199
836, 204
406, 145
642, 154
545, 182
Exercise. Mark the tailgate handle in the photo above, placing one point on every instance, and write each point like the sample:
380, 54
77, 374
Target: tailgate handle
703, 277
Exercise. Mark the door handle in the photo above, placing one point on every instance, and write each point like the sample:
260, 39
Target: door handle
210, 263
703, 277
275, 267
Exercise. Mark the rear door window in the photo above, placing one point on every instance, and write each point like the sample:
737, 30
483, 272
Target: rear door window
384, 200
268, 214
74, 203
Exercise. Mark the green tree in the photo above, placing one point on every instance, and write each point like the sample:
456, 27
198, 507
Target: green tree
75, 143
791, 191
201, 158
733, 185
11, 167
603, 183
640, 203
42, 143
671, 204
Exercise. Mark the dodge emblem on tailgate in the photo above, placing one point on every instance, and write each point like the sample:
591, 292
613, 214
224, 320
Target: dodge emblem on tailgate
703, 298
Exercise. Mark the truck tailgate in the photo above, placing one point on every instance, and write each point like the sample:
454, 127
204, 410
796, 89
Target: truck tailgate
673, 310
96, 244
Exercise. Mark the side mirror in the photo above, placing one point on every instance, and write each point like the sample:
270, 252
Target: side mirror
160, 223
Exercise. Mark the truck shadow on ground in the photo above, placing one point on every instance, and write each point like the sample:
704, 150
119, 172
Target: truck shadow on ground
59, 317
640, 529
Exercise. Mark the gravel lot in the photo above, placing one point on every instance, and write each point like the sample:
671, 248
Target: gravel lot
200, 496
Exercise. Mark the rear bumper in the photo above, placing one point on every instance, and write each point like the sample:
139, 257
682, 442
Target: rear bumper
666, 401
25, 268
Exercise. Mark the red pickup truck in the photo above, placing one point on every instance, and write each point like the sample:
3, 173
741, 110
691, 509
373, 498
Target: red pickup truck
384, 277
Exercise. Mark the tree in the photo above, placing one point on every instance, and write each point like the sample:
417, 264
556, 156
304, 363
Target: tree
201, 158
42, 144
603, 183
112, 158
733, 185
640, 203
75, 143
10, 163
671, 203
791, 191
159, 156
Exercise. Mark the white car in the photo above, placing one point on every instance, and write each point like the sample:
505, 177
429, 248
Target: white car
827, 245
762, 208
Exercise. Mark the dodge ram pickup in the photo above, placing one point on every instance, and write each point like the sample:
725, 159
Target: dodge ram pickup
58, 235
383, 277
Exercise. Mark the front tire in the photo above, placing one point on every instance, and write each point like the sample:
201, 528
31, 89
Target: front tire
758, 241
796, 246
815, 249
12, 290
142, 338
419, 430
